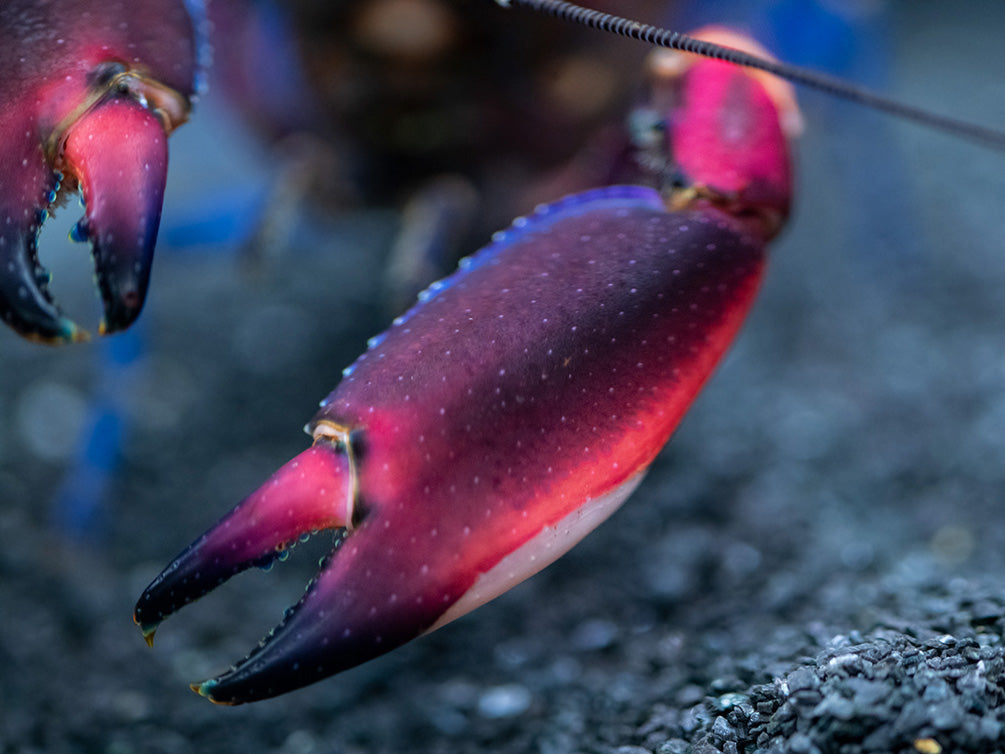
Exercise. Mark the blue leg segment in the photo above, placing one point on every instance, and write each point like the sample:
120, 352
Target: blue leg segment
79, 510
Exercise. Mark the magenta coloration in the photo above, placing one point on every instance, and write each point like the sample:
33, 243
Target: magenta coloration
89, 93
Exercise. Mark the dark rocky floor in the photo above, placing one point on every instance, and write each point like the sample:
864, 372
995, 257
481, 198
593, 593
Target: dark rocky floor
814, 564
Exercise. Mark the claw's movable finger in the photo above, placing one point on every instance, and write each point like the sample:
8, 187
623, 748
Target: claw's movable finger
118, 152
310, 493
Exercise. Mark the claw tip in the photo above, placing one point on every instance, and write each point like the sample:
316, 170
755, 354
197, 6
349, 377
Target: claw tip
64, 331
147, 630
76, 334
206, 689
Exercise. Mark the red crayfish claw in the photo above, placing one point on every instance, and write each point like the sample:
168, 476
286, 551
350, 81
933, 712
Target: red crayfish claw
513, 408
314, 491
87, 105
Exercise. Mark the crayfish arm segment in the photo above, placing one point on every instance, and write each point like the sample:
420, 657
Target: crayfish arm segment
729, 132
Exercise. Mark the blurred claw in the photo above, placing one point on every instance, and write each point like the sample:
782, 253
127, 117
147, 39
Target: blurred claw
25, 303
88, 96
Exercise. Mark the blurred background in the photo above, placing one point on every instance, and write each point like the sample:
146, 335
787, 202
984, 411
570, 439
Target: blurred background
843, 466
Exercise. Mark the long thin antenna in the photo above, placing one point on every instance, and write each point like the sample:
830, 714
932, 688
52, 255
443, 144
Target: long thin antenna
838, 87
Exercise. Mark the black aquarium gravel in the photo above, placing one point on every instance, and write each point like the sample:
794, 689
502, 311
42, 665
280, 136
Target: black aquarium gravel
927, 686
816, 564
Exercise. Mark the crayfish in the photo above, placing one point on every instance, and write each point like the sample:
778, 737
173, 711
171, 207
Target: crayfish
502, 418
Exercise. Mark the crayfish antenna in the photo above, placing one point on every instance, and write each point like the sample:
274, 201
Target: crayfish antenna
833, 85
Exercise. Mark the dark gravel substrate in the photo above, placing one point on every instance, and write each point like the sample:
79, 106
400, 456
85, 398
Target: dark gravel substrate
814, 565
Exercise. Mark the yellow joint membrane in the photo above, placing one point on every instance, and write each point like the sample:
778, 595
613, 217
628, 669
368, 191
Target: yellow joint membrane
170, 106
331, 432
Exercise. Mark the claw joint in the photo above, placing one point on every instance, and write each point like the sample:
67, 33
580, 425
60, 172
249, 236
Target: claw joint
342, 437
168, 105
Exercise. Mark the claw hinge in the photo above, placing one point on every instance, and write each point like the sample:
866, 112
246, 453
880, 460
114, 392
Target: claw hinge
344, 439
170, 106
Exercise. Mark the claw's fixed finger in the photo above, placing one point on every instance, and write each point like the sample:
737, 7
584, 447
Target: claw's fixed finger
118, 152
